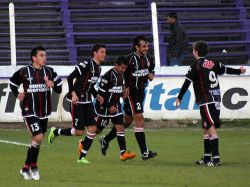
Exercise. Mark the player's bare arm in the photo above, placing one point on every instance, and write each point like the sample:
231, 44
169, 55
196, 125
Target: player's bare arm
21, 96
177, 103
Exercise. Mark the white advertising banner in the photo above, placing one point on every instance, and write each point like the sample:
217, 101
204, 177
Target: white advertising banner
159, 101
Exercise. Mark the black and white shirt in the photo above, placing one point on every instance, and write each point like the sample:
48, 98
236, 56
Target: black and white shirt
86, 74
111, 88
37, 100
136, 74
203, 74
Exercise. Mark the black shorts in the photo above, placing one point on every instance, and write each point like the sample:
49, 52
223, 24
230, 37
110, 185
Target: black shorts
35, 125
133, 104
102, 122
210, 115
82, 115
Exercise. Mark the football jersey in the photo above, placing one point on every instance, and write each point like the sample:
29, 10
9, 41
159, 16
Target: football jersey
203, 73
37, 100
111, 88
86, 74
136, 74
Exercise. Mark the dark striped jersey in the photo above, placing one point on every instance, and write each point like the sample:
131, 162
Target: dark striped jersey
86, 74
111, 88
136, 74
203, 73
37, 100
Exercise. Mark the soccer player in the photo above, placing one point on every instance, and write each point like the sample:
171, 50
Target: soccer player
139, 71
203, 74
86, 75
37, 80
111, 88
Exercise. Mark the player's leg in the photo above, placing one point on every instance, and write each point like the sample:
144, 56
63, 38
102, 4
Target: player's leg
101, 123
90, 136
37, 128
119, 126
136, 99
89, 116
77, 128
25, 171
140, 137
206, 138
207, 149
211, 122
128, 119
214, 139
214, 115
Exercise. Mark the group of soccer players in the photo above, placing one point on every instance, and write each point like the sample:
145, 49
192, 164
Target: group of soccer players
128, 80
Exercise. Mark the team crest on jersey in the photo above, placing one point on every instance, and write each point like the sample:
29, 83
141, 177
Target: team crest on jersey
208, 64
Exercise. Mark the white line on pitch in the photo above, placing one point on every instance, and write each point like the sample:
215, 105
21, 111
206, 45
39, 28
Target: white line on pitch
14, 143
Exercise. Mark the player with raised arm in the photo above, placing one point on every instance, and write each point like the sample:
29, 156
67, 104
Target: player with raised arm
203, 74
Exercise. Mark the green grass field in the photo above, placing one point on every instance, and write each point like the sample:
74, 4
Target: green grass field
177, 149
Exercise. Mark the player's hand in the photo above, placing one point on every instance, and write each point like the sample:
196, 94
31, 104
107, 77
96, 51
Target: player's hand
100, 99
112, 109
74, 98
48, 82
242, 69
21, 96
151, 76
178, 103
125, 93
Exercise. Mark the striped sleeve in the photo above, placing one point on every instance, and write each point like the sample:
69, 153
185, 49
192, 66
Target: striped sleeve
57, 82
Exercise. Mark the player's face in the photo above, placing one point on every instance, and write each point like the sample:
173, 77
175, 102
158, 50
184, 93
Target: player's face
120, 68
143, 48
100, 55
40, 58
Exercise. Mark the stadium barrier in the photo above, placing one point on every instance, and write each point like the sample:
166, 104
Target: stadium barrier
160, 97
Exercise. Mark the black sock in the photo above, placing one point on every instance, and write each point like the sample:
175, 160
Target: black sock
66, 132
87, 144
56, 132
122, 142
34, 156
28, 160
207, 149
140, 137
215, 149
110, 136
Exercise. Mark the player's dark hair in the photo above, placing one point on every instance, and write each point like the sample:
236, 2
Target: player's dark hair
137, 40
122, 60
172, 15
201, 47
96, 48
35, 50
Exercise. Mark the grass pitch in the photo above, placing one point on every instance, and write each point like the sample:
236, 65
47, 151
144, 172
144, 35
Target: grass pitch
178, 149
